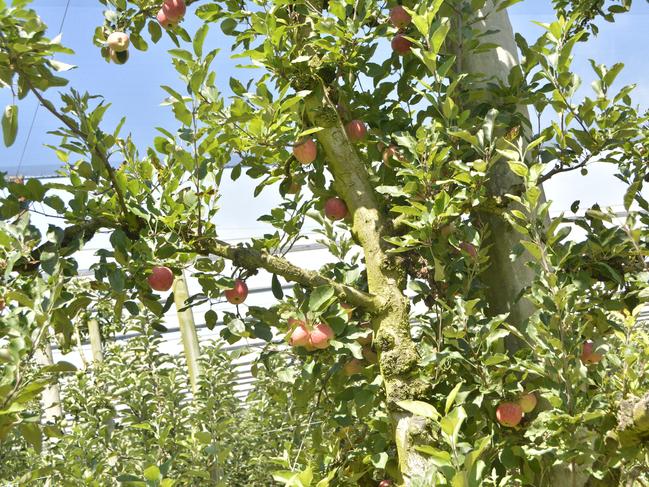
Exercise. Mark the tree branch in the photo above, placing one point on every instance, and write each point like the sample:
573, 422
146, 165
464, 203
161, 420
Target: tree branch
253, 259
99, 153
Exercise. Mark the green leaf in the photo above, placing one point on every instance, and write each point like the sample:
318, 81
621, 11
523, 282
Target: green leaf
32, 434
319, 297
199, 39
10, 124
452, 423
277, 287
450, 399
420, 408
152, 473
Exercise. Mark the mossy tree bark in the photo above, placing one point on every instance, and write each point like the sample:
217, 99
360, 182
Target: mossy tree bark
386, 280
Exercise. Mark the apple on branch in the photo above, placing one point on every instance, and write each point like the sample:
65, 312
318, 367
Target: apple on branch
238, 293
161, 278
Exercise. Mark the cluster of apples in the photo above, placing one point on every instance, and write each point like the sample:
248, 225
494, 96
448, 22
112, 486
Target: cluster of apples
305, 152
171, 13
400, 19
118, 43
162, 278
510, 414
316, 337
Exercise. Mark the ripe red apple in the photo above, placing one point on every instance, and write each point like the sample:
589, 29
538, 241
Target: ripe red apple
356, 130
399, 17
119, 57
118, 41
163, 20
161, 278
335, 209
385, 483
389, 153
528, 402
509, 414
238, 293
174, 9
300, 335
321, 336
2, 304
588, 355
470, 249
306, 151
353, 367
401, 45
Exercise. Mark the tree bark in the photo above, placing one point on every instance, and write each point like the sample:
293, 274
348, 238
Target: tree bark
505, 277
386, 279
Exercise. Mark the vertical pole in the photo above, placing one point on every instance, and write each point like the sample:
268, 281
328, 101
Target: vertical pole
187, 331
95, 341
51, 398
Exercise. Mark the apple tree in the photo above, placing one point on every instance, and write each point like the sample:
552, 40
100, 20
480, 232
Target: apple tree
506, 346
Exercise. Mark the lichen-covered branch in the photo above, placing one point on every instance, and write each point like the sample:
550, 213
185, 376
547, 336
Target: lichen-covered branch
253, 259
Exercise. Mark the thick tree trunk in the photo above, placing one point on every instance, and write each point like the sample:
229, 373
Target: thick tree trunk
386, 281
505, 277
187, 331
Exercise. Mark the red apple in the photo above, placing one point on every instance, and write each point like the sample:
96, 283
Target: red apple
588, 355
385, 483
119, 57
238, 293
321, 336
528, 402
300, 335
509, 414
469, 249
356, 130
353, 367
174, 9
2, 304
401, 45
306, 151
335, 209
399, 17
163, 20
389, 153
161, 278
118, 41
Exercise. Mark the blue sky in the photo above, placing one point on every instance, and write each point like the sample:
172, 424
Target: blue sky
133, 89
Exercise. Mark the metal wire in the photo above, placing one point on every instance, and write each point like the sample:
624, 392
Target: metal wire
38, 105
